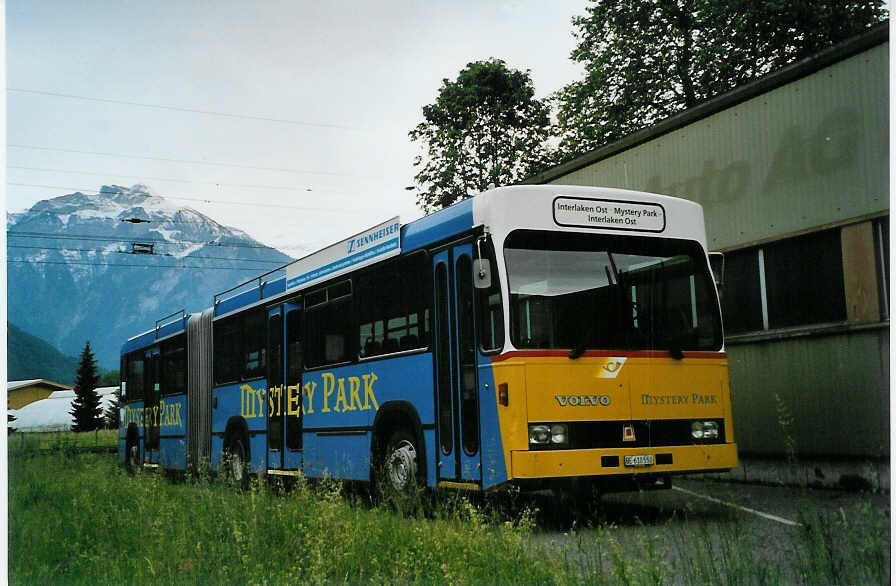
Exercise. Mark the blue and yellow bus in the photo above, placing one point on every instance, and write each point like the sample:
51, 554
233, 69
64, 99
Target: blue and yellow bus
534, 336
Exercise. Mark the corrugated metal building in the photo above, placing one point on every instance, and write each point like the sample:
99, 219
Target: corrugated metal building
793, 173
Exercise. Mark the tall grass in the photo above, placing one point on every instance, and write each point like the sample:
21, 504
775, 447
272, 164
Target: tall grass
78, 518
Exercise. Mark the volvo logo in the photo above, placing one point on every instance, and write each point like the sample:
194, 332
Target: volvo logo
582, 400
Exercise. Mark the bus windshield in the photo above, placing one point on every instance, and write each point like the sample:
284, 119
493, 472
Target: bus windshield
590, 291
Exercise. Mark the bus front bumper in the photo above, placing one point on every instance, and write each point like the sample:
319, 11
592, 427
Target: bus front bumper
597, 462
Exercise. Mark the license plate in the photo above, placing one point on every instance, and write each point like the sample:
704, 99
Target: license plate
633, 461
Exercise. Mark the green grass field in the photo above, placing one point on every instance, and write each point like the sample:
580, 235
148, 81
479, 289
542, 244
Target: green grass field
56, 440
78, 518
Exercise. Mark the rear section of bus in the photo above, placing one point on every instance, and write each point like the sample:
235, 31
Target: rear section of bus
614, 369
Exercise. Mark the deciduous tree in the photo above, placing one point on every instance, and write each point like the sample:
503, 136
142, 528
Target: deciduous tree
648, 59
110, 378
486, 128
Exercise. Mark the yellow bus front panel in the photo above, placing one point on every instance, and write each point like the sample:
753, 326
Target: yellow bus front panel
674, 415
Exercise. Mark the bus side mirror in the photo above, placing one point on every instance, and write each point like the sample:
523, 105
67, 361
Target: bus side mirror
717, 264
482, 273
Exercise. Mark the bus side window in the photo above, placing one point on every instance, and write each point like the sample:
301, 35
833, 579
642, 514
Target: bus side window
329, 324
174, 367
228, 347
254, 351
135, 376
393, 306
416, 285
372, 300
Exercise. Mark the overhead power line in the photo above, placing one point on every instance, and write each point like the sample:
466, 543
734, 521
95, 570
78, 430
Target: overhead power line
295, 189
188, 161
139, 266
100, 238
182, 109
89, 191
191, 257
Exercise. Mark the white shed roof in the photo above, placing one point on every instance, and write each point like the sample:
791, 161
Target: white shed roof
54, 412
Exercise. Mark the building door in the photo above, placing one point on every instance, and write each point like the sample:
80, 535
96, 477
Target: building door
455, 352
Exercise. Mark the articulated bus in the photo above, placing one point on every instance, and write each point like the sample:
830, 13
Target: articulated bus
536, 336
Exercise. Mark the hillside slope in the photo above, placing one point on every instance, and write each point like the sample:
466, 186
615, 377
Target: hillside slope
30, 357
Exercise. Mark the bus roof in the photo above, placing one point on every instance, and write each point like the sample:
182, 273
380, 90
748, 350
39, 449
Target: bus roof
570, 208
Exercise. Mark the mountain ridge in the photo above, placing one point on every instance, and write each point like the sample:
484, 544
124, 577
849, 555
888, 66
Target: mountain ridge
105, 266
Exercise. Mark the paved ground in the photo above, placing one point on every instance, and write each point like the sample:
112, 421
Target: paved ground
760, 532
844, 474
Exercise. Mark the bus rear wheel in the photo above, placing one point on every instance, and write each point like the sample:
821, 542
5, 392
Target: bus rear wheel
399, 473
132, 456
235, 464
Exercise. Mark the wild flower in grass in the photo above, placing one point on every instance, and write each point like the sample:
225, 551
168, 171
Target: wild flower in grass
785, 422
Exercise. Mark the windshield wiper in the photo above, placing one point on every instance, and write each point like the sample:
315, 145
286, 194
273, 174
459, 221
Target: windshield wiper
579, 350
675, 350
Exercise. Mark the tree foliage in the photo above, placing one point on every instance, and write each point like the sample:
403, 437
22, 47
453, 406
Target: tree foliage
86, 410
648, 59
112, 414
486, 128
110, 378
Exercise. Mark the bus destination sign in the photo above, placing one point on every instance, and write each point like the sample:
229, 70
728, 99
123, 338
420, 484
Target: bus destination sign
609, 214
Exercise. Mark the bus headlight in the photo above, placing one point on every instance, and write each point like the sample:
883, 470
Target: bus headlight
705, 430
539, 434
556, 434
559, 434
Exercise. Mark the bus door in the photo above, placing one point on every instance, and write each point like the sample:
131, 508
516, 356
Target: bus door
457, 399
151, 415
285, 386
275, 388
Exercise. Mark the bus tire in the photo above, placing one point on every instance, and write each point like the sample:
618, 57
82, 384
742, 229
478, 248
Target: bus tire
132, 455
400, 464
236, 464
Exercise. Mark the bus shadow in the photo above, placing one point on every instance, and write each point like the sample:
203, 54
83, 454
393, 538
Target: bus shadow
564, 513
548, 511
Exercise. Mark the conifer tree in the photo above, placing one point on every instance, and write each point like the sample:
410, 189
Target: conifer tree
112, 414
86, 410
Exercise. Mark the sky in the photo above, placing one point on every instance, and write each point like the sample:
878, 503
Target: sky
314, 101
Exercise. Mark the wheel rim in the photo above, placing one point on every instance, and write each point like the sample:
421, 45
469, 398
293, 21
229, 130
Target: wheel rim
236, 467
401, 466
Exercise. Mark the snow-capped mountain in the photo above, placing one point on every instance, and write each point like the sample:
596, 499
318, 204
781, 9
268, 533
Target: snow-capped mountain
105, 267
